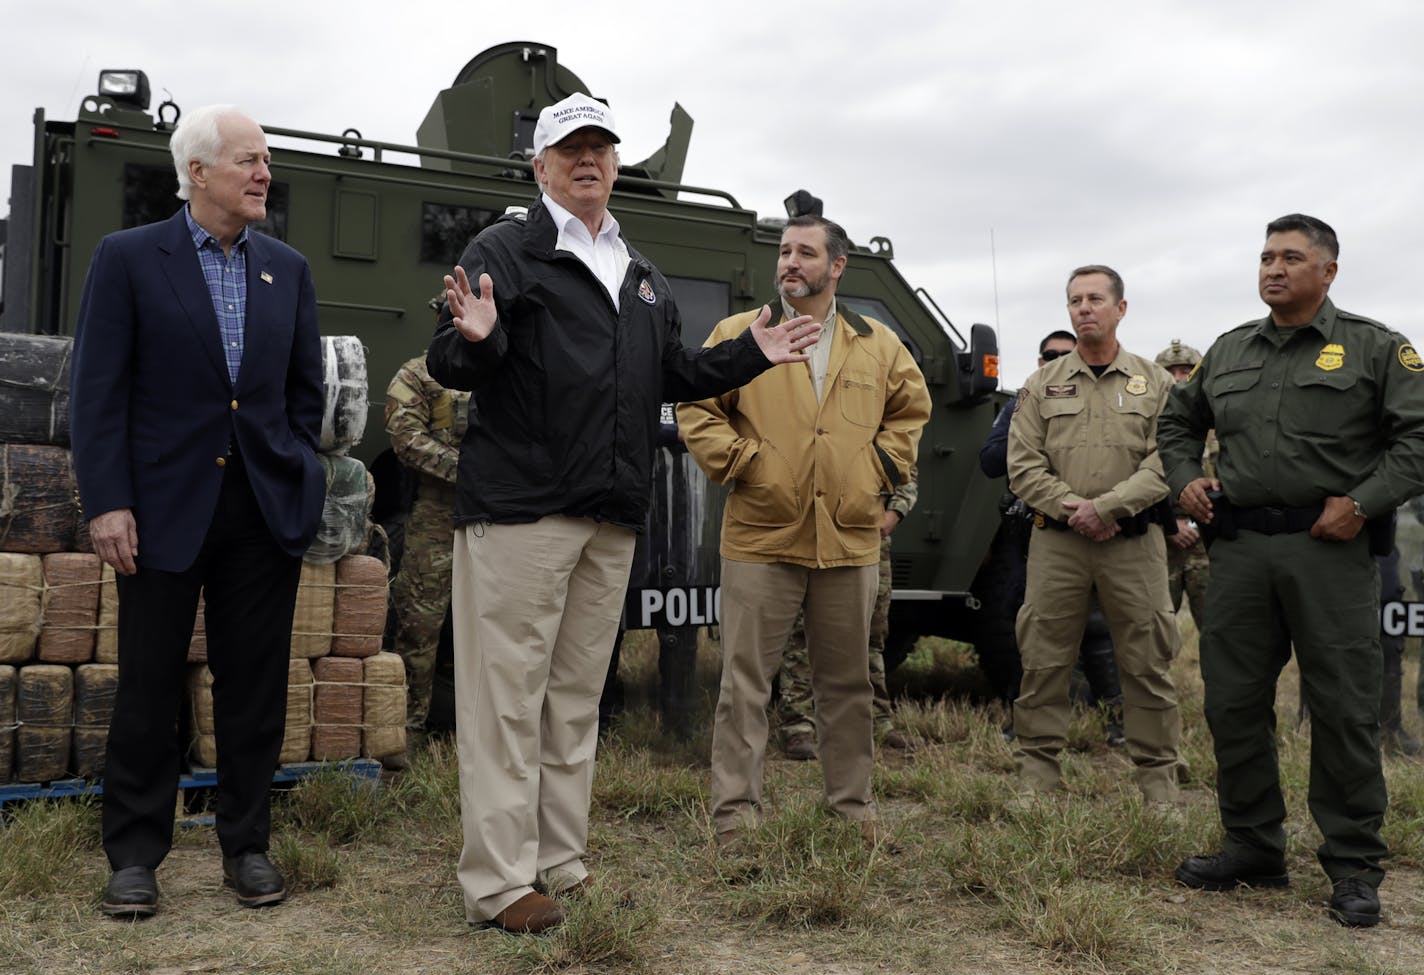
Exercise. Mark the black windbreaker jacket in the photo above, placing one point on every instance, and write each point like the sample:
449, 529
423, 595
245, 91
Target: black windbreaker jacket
566, 390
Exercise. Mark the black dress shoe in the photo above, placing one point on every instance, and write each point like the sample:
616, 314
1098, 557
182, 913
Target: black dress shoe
1355, 903
254, 879
1226, 871
131, 893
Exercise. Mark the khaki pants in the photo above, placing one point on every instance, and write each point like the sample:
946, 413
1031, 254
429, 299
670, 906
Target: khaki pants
759, 605
536, 608
1130, 575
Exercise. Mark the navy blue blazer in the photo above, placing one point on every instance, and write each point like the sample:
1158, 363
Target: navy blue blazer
152, 410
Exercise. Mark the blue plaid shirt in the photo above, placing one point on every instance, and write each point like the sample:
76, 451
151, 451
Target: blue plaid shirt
227, 284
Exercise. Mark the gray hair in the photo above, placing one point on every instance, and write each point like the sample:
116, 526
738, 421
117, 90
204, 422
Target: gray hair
837, 243
1114, 279
198, 137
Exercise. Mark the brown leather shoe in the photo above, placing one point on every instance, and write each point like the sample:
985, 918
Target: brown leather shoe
800, 748
530, 914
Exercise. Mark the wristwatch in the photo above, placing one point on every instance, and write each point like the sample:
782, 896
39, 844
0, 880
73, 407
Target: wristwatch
1359, 512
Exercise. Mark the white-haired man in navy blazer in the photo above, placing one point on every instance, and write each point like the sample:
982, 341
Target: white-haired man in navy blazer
196, 403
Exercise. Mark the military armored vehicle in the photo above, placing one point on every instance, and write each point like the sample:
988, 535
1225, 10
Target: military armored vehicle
381, 222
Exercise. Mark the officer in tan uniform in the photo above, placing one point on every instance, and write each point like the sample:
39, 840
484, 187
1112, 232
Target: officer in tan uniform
425, 422
1187, 566
1083, 455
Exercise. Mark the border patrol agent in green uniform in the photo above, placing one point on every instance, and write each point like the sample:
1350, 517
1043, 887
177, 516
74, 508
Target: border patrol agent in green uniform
1320, 416
1083, 455
1187, 565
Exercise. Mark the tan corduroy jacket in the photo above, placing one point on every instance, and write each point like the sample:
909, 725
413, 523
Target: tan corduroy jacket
809, 479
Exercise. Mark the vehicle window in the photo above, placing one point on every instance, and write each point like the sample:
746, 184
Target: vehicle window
149, 197
878, 310
446, 229
702, 305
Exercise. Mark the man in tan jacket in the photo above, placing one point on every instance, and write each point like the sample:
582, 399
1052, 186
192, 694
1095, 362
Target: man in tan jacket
810, 455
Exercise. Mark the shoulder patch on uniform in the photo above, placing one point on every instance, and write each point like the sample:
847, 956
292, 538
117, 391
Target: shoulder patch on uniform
1019, 397
1409, 359
1060, 390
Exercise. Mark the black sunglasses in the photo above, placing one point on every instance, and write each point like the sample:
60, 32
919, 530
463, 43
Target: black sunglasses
1048, 355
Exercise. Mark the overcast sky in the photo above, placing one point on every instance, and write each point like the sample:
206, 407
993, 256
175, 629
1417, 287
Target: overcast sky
1156, 137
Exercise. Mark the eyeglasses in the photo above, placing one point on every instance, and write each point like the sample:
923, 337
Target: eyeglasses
1048, 355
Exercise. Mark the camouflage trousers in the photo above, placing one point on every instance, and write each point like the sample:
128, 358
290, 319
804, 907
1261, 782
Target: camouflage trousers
1187, 572
420, 595
797, 708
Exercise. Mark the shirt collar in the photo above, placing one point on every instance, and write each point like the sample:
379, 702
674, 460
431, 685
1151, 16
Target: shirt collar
562, 218
1323, 323
788, 313
201, 236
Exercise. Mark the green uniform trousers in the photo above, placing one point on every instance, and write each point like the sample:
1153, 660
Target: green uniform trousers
1266, 593
1130, 576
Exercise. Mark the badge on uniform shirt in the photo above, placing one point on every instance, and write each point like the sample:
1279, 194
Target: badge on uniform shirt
1332, 357
1063, 391
645, 291
1409, 359
1137, 385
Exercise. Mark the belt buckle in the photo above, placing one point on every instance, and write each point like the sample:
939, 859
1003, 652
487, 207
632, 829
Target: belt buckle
1275, 519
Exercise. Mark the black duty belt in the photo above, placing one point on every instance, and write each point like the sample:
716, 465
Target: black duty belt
1129, 527
1277, 519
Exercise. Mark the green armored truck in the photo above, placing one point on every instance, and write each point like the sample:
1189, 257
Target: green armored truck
381, 222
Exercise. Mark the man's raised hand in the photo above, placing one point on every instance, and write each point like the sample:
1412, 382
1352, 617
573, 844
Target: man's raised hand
784, 342
473, 314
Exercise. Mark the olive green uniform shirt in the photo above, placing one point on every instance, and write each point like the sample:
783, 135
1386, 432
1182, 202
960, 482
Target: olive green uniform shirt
1327, 409
1076, 436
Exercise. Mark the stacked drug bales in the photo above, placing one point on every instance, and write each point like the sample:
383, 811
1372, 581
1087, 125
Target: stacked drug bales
59, 603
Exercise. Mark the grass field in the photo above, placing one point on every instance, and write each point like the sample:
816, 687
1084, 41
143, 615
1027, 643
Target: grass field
1079, 884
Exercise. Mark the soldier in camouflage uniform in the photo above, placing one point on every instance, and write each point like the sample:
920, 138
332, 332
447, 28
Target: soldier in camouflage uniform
797, 709
425, 422
1187, 566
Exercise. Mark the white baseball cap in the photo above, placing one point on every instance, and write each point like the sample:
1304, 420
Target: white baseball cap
562, 119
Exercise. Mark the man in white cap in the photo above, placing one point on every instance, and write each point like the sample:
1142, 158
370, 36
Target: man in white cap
570, 342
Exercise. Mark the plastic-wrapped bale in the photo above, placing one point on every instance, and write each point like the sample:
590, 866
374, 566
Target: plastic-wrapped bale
8, 679
200, 703
39, 507
71, 608
296, 742
311, 622
44, 708
343, 419
336, 714
346, 517
106, 630
383, 714
198, 642
359, 616
34, 389
21, 596
94, 687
